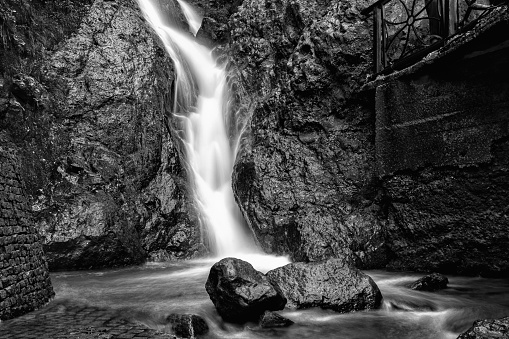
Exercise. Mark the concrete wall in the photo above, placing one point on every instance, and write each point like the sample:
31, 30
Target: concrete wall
24, 279
442, 144
445, 115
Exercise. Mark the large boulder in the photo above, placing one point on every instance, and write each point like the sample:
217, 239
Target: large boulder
241, 293
332, 284
431, 282
488, 329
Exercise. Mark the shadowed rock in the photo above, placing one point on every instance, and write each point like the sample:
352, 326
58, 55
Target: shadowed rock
431, 282
188, 325
271, 320
487, 329
241, 293
333, 284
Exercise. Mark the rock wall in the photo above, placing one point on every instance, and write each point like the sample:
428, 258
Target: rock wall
24, 278
304, 177
101, 162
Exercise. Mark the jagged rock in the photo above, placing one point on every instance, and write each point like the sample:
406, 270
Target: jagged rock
272, 319
188, 325
304, 178
431, 282
241, 293
488, 329
102, 170
332, 284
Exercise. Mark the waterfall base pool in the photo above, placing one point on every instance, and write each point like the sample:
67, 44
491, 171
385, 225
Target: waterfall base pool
148, 294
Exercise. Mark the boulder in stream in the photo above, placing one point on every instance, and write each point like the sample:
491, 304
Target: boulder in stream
188, 325
332, 284
431, 282
241, 293
272, 320
488, 329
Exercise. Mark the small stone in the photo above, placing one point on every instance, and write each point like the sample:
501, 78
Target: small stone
188, 325
431, 282
271, 320
488, 329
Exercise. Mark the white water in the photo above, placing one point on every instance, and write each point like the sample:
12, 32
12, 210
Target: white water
192, 17
148, 294
209, 154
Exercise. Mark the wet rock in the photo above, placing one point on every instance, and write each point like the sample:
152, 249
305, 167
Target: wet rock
272, 320
102, 171
488, 329
431, 282
332, 284
241, 293
188, 325
304, 178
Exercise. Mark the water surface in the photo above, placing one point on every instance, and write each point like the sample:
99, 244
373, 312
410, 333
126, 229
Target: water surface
149, 293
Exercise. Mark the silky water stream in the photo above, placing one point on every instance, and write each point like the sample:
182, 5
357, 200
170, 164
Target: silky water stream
148, 294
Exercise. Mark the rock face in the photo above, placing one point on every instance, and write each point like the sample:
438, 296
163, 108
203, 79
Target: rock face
305, 173
430, 282
241, 293
99, 155
488, 329
332, 284
304, 178
188, 325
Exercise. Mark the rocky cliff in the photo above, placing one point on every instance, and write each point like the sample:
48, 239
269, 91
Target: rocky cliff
86, 98
304, 177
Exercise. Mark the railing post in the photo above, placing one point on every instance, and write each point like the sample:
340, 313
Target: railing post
378, 39
450, 9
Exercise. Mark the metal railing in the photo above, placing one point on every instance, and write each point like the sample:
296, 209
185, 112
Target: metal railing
406, 30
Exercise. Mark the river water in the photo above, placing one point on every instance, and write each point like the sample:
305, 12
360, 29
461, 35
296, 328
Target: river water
148, 294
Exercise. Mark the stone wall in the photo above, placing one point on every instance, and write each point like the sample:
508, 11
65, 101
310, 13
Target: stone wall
442, 144
24, 279
447, 115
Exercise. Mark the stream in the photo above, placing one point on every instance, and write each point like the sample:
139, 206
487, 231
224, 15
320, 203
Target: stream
148, 294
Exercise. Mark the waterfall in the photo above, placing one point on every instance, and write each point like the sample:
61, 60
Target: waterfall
201, 99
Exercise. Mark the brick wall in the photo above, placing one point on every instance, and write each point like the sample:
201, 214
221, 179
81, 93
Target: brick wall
24, 278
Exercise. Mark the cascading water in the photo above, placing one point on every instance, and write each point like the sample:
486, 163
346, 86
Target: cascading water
209, 154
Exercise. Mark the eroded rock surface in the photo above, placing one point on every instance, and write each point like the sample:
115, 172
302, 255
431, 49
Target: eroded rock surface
332, 284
